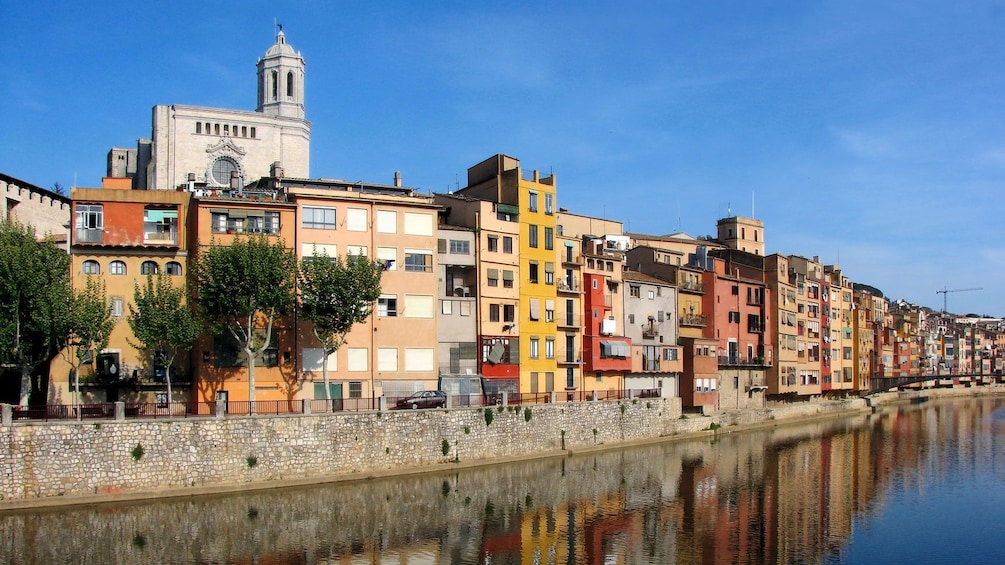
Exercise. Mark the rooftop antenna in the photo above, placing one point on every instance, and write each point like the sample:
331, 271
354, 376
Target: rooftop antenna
678, 217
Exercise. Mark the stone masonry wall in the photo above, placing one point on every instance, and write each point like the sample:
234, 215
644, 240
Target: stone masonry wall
40, 460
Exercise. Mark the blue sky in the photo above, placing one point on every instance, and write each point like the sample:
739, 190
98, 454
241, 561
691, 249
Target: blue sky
871, 134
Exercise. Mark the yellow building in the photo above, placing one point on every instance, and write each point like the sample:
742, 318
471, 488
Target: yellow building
121, 236
530, 200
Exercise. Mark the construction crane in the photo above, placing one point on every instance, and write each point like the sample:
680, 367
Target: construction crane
945, 292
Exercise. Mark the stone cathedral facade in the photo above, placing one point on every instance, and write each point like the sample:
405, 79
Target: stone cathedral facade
219, 146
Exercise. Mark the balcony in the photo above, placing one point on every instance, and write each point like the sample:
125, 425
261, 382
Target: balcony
650, 333
569, 287
693, 320
650, 363
572, 261
89, 235
569, 321
693, 287
161, 237
741, 361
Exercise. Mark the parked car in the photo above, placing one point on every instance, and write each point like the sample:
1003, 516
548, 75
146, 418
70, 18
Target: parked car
424, 399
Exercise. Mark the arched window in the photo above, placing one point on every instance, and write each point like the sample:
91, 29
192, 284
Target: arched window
173, 268
117, 268
90, 267
148, 268
289, 84
222, 168
275, 85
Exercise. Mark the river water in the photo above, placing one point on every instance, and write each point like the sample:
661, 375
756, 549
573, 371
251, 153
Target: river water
909, 484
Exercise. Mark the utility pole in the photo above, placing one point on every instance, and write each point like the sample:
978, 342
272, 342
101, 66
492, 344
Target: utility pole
945, 292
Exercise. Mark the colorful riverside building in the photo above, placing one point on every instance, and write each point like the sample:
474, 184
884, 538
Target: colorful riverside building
121, 236
496, 235
782, 376
394, 352
606, 348
738, 303
530, 203
649, 306
838, 308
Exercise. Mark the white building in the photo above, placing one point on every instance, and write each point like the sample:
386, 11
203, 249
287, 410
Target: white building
216, 145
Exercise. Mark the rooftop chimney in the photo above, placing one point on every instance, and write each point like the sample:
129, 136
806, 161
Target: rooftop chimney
397, 179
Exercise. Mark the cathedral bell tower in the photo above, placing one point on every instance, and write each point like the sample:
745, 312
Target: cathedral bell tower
281, 80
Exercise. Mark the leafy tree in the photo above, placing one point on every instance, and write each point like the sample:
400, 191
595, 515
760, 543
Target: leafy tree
89, 324
34, 301
334, 296
162, 324
244, 287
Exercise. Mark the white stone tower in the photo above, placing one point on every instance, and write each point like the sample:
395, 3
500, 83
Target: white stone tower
281, 80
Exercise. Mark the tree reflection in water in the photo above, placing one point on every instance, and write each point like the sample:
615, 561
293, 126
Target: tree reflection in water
790, 494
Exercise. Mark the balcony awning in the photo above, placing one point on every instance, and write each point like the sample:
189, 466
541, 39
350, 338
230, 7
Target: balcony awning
610, 348
507, 208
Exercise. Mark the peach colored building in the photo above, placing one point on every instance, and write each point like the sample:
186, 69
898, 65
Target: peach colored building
394, 352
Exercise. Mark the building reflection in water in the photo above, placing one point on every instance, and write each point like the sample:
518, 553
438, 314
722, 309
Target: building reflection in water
782, 495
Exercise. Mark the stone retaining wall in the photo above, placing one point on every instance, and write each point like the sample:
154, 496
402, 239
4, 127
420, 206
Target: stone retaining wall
72, 459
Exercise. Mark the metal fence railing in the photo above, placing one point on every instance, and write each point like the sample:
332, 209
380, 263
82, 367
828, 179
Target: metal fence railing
195, 409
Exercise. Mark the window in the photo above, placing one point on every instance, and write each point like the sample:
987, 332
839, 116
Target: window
160, 226
493, 312
549, 203
734, 317
634, 291
535, 308
532, 235
318, 218
509, 312
651, 295
173, 268
669, 354
117, 268
387, 358
460, 247
149, 268
549, 238
198, 127
420, 261
507, 278
535, 347
447, 307
532, 202
387, 306
419, 359
268, 223
418, 224
223, 170
89, 223
117, 304
358, 359
355, 389
387, 221
252, 132
549, 348
549, 273
419, 306
549, 310
507, 244
388, 256
90, 267
532, 273
289, 84
493, 277
493, 242
356, 219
